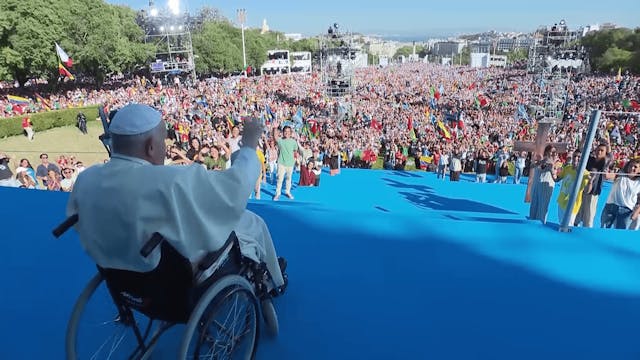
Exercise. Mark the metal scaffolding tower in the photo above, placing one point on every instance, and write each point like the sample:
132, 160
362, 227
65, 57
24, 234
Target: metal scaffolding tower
171, 36
337, 66
554, 59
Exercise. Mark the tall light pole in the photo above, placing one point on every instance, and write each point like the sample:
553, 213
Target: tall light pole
242, 18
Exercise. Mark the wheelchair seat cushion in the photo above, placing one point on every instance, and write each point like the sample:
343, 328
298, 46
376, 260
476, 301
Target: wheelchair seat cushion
165, 293
171, 290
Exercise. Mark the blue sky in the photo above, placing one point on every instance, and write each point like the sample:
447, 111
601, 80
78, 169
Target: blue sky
416, 17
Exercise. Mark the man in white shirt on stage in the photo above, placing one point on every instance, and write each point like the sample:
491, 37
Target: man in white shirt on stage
123, 202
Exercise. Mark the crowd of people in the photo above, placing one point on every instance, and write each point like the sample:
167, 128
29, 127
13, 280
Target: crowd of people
439, 118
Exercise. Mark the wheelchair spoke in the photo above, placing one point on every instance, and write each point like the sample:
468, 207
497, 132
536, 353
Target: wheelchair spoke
228, 333
227, 323
114, 345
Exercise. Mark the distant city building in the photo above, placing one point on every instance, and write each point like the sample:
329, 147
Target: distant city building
481, 47
444, 48
265, 27
294, 37
589, 28
512, 44
597, 27
383, 48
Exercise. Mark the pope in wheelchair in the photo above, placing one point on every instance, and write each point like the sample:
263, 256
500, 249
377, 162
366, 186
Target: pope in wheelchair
174, 245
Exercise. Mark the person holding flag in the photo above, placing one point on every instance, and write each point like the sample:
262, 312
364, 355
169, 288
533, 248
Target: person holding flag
64, 58
62, 55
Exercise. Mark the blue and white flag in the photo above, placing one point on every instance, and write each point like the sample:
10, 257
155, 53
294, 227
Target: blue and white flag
298, 117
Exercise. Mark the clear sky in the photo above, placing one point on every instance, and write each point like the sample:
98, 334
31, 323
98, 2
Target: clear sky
421, 18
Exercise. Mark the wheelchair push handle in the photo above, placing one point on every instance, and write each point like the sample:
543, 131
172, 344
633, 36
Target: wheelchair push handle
149, 246
68, 223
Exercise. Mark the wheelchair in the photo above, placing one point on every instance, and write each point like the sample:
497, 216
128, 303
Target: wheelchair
218, 302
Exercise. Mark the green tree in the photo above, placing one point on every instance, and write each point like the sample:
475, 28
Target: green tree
408, 50
26, 44
517, 55
101, 38
105, 39
614, 58
464, 57
310, 44
218, 47
613, 49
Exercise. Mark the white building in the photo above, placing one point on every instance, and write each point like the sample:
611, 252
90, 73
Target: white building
383, 48
445, 48
294, 36
479, 60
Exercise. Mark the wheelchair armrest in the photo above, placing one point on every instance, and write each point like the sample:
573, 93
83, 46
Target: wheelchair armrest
213, 256
68, 223
216, 260
149, 246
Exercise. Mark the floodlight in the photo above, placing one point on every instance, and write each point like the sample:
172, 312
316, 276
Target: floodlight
180, 27
154, 12
172, 28
161, 28
174, 6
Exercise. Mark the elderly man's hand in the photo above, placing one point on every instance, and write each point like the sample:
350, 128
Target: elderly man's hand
251, 133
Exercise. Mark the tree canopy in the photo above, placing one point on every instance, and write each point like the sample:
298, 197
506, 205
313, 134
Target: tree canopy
101, 38
218, 46
106, 39
612, 49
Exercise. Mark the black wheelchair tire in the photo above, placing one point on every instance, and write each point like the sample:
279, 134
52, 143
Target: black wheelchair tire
270, 317
74, 321
72, 327
207, 303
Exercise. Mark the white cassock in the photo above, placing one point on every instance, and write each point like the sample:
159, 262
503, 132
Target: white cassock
123, 202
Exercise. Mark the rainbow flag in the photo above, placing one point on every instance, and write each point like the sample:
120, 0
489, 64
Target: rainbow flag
18, 100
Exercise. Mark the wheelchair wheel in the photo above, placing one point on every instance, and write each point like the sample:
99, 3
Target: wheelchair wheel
95, 330
224, 323
270, 317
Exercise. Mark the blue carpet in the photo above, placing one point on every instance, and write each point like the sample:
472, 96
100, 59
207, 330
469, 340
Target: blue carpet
382, 265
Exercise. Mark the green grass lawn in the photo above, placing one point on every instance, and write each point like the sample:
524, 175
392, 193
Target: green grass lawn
55, 142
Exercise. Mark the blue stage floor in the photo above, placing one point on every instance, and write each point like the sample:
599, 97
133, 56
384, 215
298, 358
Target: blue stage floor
382, 265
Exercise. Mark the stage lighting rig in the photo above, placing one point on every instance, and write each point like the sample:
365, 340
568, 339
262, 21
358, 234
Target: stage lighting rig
169, 31
337, 55
554, 60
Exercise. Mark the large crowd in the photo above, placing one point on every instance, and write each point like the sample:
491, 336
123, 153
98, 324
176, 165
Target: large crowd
444, 119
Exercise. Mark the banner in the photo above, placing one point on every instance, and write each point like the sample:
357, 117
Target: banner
17, 100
